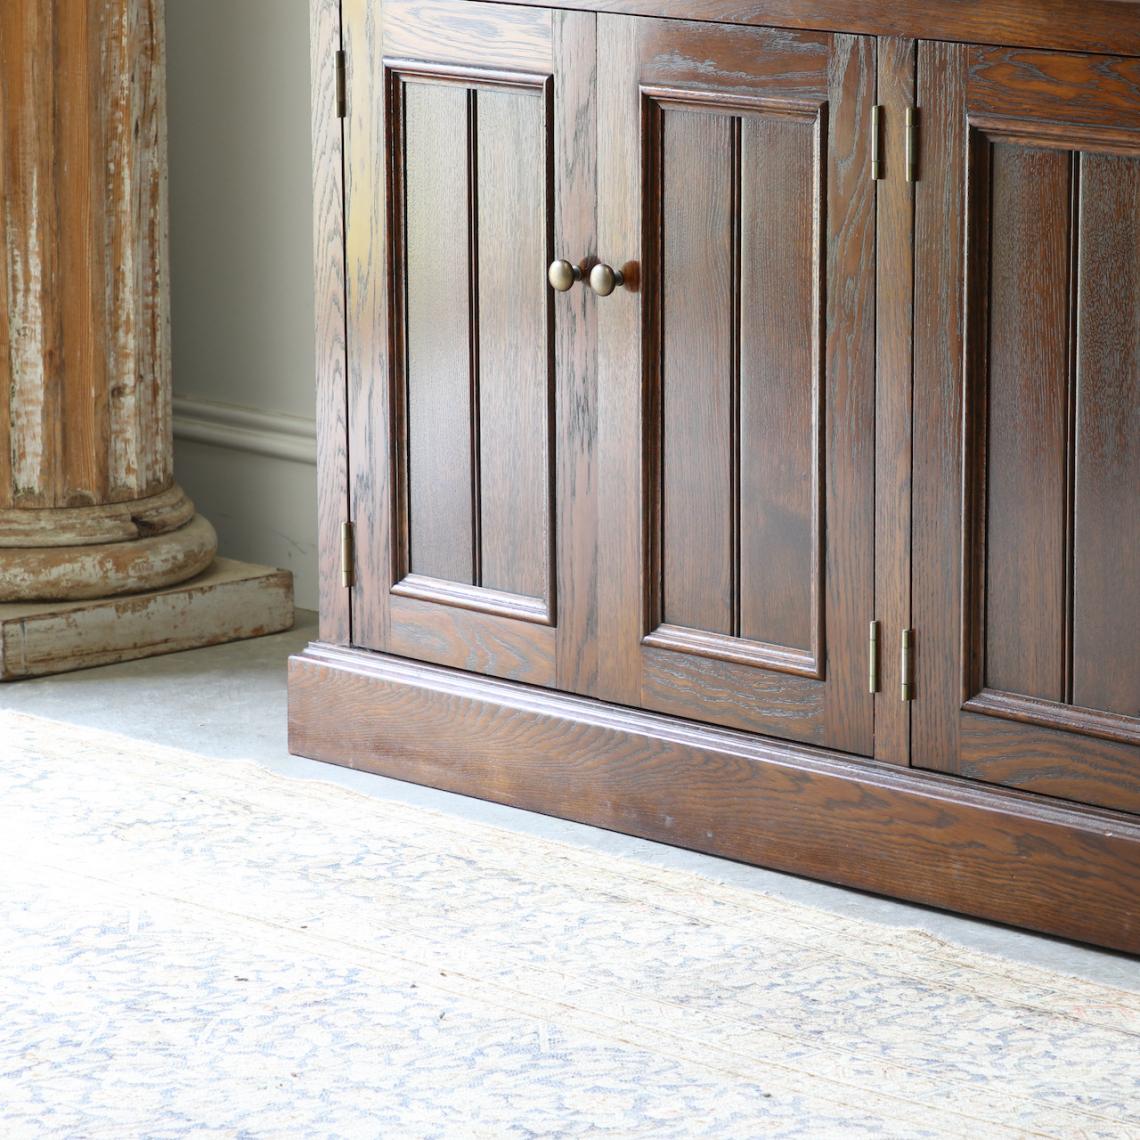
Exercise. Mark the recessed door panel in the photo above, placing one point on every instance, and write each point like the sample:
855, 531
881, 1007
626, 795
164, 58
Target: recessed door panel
1028, 373
736, 257
437, 314
780, 289
738, 368
1031, 676
516, 366
1106, 492
478, 358
697, 377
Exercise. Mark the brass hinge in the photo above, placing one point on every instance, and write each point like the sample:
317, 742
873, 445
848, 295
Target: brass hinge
912, 144
341, 87
348, 554
876, 145
907, 665
873, 658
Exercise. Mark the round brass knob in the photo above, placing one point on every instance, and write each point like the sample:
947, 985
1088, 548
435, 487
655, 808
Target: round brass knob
604, 280
562, 275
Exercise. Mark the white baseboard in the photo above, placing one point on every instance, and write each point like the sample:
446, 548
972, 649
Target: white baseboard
253, 475
272, 434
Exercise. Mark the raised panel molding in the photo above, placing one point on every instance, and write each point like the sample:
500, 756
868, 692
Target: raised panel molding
472, 383
1025, 428
477, 598
760, 381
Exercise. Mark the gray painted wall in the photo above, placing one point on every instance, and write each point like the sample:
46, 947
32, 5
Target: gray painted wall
242, 275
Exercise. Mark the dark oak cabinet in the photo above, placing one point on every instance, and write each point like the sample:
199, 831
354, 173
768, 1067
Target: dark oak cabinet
795, 515
1027, 344
463, 501
736, 384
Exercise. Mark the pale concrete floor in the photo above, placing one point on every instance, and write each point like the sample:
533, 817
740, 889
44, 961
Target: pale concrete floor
229, 702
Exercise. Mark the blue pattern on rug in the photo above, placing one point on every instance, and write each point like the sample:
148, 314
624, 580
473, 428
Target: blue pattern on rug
200, 948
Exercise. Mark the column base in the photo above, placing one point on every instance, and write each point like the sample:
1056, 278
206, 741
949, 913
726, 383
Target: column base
48, 573
231, 601
124, 521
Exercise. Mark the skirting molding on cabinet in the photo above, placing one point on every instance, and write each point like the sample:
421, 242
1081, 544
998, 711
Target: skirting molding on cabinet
1001, 854
272, 434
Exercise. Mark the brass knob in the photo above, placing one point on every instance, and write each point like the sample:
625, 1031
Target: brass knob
562, 275
604, 280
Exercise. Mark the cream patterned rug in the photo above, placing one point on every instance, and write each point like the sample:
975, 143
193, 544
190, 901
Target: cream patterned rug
202, 948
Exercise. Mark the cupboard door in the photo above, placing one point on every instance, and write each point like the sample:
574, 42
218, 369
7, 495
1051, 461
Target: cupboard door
736, 376
1027, 421
470, 391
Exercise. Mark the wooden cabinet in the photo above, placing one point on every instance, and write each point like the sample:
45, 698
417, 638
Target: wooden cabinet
1027, 421
801, 522
475, 542
736, 377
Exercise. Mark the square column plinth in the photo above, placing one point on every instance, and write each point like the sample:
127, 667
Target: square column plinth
230, 601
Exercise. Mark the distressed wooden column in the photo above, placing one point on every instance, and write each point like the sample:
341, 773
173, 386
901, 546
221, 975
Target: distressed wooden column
88, 503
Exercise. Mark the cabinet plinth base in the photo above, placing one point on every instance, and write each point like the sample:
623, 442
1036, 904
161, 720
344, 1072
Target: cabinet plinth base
990, 852
230, 601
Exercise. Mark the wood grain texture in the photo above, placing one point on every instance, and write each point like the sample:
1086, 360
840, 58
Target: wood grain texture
764, 63
575, 347
1072, 25
479, 598
1106, 544
781, 355
1007, 314
724, 692
699, 170
528, 380
333, 508
714, 80
724, 647
480, 642
230, 601
1055, 87
436, 208
85, 367
849, 394
82, 258
702, 775
457, 31
939, 344
1027, 306
622, 606
1085, 769
996, 854
516, 366
894, 356
1052, 714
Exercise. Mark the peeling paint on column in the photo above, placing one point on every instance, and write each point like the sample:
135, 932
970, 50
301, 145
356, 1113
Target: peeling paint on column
121, 240
27, 353
99, 63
